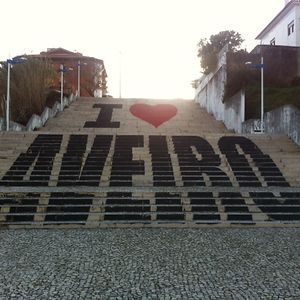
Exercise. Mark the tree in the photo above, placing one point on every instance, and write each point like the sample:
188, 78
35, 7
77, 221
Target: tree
195, 83
29, 84
93, 79
208, 49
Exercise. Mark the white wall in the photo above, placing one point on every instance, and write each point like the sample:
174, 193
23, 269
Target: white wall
297, 26
98, 93
280, 31
210, 93
234, 112
211, 89
283, 120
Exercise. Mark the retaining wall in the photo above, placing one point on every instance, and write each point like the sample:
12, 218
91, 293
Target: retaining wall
36, 121
283, 120
210, 94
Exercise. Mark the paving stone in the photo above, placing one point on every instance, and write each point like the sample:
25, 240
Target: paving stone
150, 264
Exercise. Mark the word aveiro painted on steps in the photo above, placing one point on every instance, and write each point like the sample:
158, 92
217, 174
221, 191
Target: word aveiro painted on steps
171, 161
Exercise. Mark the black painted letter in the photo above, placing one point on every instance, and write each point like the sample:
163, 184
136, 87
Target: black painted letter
104, 117
192, 168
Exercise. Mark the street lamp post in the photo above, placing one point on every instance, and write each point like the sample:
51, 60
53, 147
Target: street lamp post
61, 86
10, 63
79, 76
120, 77
261, 67
62, 70
8, 96
78, 79
262, 95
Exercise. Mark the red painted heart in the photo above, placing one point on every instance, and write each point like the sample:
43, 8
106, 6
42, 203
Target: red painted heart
154, 114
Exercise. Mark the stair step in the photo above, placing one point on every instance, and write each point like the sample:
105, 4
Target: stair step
193, 208
190, 171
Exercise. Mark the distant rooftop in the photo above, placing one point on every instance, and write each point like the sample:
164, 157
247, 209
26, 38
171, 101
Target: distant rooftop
61, 53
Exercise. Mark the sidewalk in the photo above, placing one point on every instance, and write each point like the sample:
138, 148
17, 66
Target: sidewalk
150, 264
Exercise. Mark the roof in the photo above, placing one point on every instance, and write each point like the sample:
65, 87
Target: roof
61, 53
291, 4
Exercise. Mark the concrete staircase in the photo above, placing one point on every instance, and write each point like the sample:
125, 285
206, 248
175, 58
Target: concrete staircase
139, 162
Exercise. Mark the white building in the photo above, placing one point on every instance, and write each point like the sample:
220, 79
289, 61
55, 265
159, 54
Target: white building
284, 29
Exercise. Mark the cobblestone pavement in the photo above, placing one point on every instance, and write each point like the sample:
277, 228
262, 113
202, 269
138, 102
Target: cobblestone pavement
150, 264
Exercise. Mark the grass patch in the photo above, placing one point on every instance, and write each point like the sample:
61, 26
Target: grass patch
274, 97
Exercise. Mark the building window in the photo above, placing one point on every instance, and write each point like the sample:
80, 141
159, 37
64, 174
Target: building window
272, 42
291, 28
